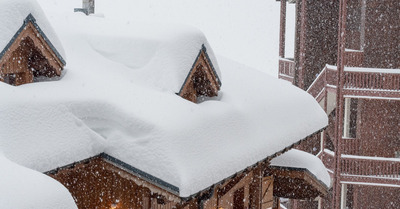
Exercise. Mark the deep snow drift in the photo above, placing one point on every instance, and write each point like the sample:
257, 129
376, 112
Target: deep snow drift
24, 188
117, 96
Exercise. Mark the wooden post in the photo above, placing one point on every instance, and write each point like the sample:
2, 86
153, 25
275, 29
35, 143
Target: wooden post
339, 102
343, 198
255, 187
302, 50
282, 32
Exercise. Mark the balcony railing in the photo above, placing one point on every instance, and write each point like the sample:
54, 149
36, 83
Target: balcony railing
286, 69
373, 79
327, 78
364, 168
358, 82
371, 166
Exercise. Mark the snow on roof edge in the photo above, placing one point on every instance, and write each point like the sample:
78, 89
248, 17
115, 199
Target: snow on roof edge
300, 160
266, 159
125, 166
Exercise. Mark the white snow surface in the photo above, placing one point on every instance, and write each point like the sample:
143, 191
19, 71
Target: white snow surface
245, 31
25, 188
12, 16
299, 159
117, 96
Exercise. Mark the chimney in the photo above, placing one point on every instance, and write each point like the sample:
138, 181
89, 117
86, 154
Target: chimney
87, 7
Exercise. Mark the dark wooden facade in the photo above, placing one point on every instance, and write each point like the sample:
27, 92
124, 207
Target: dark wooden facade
347, 56
105, 182
29, 54
101, 183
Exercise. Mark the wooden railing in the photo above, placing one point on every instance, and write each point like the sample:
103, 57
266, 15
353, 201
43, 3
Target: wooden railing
286, 69
374, 79
370, 166
377, 167
327, 158
359, 81
354, 58
327, 77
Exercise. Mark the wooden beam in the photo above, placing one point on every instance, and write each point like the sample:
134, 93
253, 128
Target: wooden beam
339, 103
282, 32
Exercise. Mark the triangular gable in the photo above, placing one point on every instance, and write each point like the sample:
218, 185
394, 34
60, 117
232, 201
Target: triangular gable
110, 179
202, 79
30, 34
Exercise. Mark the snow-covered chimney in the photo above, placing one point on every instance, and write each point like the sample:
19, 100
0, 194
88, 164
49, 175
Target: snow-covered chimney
87, 7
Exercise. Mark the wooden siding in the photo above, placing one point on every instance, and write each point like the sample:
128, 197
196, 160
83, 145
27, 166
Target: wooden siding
99, 184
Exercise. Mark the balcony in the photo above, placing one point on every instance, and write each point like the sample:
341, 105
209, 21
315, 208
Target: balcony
286, 69
364, 169
358, 82
372, 82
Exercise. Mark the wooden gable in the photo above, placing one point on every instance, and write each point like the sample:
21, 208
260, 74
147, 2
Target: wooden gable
29, 54
105, 182
202, 80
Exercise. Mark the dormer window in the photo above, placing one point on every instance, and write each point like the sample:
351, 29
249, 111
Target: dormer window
202, 79
29, 54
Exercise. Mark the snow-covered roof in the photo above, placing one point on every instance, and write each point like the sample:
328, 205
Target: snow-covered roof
24, 188
299, 159
15, 14
118, 96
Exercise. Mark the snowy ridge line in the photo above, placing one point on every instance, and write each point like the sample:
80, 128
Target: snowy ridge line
124, 166
300, 169
265, 160
31, 19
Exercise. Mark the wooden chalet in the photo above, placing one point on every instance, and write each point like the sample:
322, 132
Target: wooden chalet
347, 56
107, 182
202, 79
28, 55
